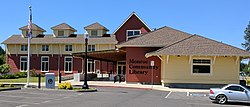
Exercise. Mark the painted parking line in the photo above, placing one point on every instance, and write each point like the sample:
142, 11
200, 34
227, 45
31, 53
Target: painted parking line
168, 94
25, 97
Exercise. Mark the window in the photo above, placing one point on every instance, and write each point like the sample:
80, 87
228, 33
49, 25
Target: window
24, 47
23, 63
68, 64
93, 32
45, 64
68, 47
201, 66
91, 65
235, 88
91, 48
45, 47
131, 33
60, 33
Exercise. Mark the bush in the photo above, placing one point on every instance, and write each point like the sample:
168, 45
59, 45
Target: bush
65, 85
1, 85
11, 85
4, 69
8, 76
21, 74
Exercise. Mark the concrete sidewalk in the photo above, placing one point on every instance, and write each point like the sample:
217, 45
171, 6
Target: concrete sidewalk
130, 85
123, 85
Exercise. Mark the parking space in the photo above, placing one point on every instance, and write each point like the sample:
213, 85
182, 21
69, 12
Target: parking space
33, 97
197, 99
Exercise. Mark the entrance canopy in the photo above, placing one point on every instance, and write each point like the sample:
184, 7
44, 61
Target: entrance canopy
104, 55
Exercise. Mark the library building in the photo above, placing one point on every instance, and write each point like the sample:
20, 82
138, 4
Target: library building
133, 52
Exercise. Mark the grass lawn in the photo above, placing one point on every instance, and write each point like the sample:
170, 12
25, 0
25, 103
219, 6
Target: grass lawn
23, 80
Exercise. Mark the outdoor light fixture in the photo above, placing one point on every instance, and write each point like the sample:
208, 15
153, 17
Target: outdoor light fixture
85, 84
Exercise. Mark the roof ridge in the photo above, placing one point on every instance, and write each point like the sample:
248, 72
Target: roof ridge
220, 42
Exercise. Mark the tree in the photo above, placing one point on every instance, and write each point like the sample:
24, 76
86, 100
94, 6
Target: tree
246, 45
2, 56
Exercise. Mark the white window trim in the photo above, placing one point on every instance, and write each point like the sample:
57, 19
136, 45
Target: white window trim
45, 50
91, 48
93, 62
65, 64
45, 61
21, 62
23, 50
202, 74
133, 32
68, 48
60, 35
96, 32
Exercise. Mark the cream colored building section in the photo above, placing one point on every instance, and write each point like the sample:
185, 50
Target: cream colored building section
55, 48
224, 70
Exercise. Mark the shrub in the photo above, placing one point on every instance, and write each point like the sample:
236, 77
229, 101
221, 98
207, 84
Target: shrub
33, 73
11, 85
21, 74
1, 85
8, 76
65, 85
61, 86
4, 69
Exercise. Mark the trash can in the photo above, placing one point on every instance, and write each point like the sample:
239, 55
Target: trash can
50, 80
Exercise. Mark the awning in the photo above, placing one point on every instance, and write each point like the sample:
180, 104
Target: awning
104, 55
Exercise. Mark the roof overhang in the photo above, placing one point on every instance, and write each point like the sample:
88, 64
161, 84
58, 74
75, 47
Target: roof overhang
104, 55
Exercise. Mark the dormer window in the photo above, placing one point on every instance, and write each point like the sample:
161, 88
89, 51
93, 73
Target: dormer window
131, 33
24, 47
60, 33
93, 32
68, 48
27, 33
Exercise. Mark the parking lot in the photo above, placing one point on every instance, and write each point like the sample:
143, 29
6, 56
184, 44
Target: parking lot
107, 97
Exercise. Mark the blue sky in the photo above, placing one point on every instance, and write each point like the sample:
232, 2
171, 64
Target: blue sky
221, 20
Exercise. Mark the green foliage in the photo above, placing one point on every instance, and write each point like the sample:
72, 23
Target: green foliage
2, 51
245, 68
11, 85
1, 85
21, 74
2, 56
33, 73
8, 76
246, 45
5, 68
65, 85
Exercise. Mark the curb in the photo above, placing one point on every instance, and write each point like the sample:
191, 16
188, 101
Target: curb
95, 90
9, 89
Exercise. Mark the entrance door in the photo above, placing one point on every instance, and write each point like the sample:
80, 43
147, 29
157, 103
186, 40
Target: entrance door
121, 69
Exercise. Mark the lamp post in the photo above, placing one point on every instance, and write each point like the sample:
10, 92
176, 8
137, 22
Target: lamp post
85, 85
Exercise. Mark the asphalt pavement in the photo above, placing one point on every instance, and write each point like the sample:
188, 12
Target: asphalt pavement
107, 97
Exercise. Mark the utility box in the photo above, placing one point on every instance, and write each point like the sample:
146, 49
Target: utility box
50, 80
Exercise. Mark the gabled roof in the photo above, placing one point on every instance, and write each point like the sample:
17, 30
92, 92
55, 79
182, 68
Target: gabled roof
63, 26
198, 45
50, 39
133, 13
158, 38
96, 25
33, 27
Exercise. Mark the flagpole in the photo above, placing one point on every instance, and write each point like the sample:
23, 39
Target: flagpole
29, 38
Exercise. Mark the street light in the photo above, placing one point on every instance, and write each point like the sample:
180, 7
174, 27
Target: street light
85, 85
